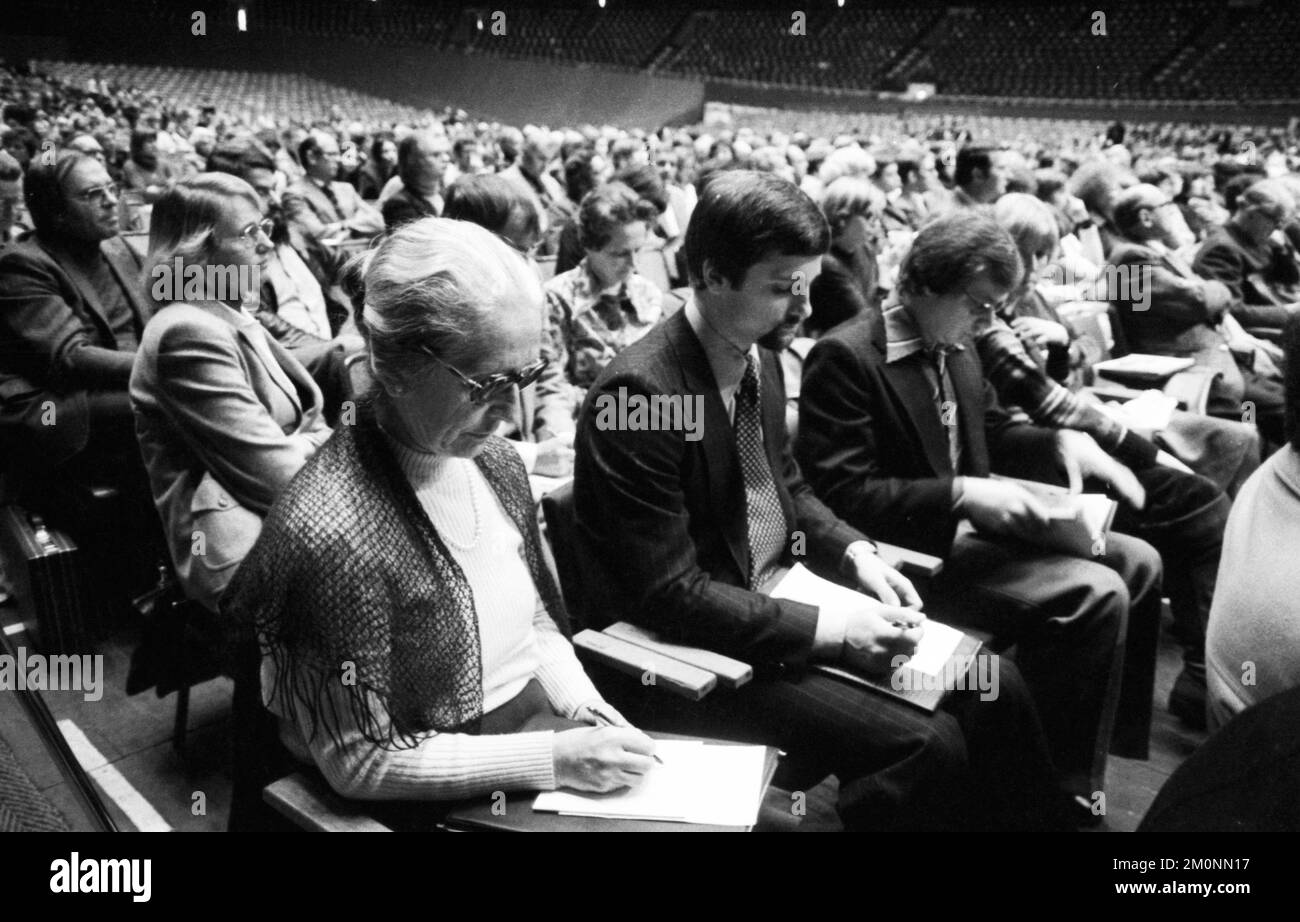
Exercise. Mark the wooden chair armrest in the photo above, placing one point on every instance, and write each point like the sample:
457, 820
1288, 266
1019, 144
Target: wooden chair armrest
1191, 389
910, 563
310, 805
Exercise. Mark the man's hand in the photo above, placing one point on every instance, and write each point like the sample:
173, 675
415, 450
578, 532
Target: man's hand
880, 579
1001, 508
1081, 457
1040, 331
877, 633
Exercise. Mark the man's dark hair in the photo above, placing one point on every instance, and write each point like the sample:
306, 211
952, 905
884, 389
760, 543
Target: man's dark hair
238, 158
377, 144
579, 177
139, 139
1049, 182
460, 145
43, 189
951, 250
308, 145
1291, 350
1235, 186
644, 181
970, 159
906, 168
607, 208
744, 217
488, 201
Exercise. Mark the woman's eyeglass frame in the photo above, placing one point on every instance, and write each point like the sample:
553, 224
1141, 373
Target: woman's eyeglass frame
251, 231
484, 388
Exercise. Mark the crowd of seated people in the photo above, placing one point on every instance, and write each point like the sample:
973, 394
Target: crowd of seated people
875, 328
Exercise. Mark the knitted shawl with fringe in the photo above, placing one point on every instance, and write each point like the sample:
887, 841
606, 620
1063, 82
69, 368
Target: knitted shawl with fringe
350, 583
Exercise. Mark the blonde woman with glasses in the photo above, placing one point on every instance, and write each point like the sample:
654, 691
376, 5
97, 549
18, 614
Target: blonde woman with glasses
225, 415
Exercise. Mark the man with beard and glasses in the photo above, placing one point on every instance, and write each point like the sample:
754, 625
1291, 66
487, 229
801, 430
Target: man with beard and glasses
683, 532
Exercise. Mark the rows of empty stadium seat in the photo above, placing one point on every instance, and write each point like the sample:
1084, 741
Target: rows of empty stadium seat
1169, 49
284, 98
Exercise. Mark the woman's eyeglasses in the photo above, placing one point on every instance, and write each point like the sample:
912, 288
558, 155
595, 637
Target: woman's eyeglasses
257, 228
485, 388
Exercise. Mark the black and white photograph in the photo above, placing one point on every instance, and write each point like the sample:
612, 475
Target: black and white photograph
617, 416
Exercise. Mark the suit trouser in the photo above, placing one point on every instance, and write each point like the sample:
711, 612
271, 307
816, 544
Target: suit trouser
972, 764
1184, 520
1085, 634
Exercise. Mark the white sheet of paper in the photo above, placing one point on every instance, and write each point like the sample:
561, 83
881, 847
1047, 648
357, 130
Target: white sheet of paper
697, 783
938, 641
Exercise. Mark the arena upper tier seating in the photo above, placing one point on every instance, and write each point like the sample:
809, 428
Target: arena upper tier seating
1174, 49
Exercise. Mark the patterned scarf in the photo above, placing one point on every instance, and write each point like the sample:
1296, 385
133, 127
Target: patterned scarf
350, 583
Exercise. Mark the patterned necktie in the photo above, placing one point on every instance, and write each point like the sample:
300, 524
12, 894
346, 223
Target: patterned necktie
764, 518
946, 400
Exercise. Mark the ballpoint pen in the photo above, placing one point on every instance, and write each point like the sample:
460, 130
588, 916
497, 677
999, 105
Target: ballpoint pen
608, 722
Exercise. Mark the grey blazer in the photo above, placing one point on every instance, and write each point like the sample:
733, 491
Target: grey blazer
225, 417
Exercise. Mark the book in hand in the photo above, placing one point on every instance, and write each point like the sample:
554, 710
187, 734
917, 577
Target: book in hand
940, 664
1078, 523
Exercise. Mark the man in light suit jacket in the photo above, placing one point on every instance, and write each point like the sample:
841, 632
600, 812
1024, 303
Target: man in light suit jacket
1165, 308
318, 205
898, 429
683, 528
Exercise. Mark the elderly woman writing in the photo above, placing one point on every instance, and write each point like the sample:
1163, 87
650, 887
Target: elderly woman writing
414, 641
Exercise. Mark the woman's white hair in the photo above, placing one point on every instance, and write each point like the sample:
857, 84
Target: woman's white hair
438, 286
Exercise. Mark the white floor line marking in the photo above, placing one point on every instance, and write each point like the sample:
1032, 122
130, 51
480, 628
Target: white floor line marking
138, 810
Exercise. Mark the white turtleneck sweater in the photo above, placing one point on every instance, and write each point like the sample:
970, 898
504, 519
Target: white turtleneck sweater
518, 642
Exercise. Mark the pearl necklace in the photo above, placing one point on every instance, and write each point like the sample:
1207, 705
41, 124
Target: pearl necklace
472, 486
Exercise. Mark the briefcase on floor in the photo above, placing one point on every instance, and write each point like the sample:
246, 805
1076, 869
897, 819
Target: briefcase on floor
48, 574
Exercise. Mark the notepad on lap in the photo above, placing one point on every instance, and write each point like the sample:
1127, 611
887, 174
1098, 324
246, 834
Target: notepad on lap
697, 783
942, 651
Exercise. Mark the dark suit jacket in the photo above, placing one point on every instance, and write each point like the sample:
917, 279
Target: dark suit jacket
1262, 280
47, 313
874, 445
846, 287
1182, 317
661, 519
404, 206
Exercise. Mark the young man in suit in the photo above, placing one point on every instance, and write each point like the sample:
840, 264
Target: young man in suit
899, 431
681, 528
